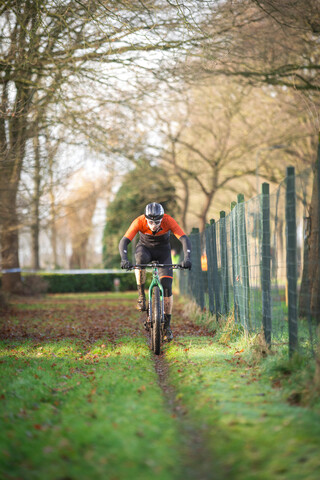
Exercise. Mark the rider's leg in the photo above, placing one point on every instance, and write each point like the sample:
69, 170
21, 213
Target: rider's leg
168, 302
141, 280
142, 255
166, 276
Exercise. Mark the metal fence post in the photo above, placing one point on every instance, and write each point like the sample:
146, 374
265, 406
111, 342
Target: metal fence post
215, 276
317, 303
197, 282
244, 267
266, 262
291, 237
224, 263
193, 277
210, 267
234, 240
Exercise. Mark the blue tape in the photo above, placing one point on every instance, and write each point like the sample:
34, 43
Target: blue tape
11, 270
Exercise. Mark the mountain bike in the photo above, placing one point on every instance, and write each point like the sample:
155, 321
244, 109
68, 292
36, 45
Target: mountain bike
155, 314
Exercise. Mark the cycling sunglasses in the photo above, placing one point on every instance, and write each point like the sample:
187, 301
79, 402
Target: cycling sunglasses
154, 222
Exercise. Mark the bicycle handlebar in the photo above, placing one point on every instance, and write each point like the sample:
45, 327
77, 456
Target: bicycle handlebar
153, 265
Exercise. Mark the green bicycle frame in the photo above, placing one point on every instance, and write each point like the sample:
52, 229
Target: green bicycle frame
155, 283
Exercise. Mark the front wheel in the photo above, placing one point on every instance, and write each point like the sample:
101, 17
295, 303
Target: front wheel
156, 321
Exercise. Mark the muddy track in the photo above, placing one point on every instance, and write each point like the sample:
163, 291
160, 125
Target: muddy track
195, 459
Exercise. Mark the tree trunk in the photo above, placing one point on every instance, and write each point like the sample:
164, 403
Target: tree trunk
53, 236
11, 158
185, 201
78, 257
11, 278
51, 152
80, 218
314, 247
204, 212
309, 298
185, 204
304, 295
35, 227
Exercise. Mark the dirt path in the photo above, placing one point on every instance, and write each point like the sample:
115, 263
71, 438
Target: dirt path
55, 318
195, 457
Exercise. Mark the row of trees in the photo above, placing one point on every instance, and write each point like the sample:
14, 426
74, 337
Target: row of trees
54, 58
128, 80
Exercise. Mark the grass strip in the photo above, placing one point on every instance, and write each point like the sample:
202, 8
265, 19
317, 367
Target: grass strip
70, 411
251, 431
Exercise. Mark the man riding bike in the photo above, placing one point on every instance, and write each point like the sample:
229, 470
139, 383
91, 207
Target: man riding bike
154, 228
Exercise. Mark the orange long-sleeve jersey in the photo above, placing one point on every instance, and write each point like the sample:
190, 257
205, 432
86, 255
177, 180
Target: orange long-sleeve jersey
153, 239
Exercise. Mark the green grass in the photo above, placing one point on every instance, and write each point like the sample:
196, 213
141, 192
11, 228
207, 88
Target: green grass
251, 431
260, 412
80, 398
67, 412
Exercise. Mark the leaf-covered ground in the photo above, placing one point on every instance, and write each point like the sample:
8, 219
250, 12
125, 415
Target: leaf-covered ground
87, 317
82, 397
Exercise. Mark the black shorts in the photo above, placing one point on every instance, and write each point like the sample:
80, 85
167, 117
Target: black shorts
160, 253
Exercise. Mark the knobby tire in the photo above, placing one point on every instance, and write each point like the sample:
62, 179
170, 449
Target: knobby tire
151, 330
156, 321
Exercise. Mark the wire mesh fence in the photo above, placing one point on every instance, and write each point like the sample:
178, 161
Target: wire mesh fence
254, 264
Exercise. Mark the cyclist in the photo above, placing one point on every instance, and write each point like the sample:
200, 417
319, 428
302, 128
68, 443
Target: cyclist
154, 228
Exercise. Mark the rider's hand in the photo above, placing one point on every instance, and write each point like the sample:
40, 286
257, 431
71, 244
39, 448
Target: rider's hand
125, 264
186, 263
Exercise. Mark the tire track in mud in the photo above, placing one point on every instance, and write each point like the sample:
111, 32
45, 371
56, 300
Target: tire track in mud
195, 459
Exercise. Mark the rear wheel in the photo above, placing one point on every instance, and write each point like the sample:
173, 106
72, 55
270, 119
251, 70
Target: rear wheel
156, 321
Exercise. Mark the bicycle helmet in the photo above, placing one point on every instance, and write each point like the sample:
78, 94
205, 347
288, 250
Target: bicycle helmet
154, 211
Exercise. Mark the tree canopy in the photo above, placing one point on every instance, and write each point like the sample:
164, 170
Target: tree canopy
88, 73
